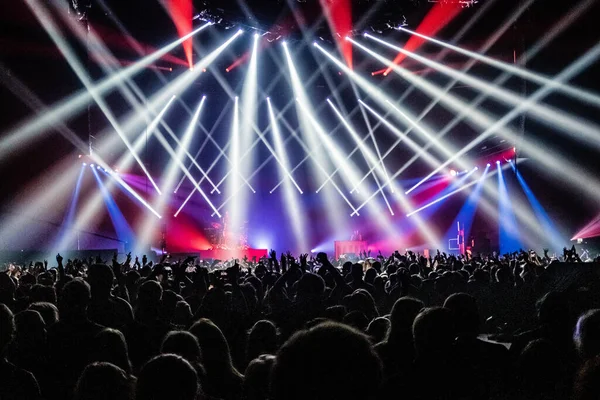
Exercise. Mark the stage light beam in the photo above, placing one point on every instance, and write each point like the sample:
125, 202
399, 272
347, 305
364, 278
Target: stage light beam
295, 208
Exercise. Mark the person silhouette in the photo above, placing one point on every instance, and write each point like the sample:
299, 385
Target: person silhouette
328, 361
104, 381
17, 384
167, 377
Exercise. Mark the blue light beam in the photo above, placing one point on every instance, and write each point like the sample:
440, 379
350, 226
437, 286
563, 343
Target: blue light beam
509, 238
122, 228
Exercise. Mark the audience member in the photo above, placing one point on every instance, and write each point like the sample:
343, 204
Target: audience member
328, 361
16, 384
104, 381
167, 377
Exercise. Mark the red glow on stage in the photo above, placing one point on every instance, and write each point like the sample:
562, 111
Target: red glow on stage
181, 13
430, 192
185, 236
339, 17
378, 72
437, 18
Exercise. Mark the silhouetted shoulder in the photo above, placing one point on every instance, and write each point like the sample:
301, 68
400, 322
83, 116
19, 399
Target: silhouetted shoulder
16, 383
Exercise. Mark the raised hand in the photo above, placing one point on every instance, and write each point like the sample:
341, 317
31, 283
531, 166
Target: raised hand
59, 259
303, 258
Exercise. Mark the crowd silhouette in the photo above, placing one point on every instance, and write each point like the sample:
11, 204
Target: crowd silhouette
521, 325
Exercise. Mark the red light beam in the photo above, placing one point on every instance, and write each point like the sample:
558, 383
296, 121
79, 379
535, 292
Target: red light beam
181, 13
339, 17
437, 18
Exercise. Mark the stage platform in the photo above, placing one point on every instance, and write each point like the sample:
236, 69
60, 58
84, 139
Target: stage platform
228, 254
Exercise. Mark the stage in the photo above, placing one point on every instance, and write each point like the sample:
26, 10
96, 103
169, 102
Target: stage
228, 254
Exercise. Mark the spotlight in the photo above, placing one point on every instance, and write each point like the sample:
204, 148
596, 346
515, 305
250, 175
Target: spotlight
240, 31
284, 43
476, 168
84, 164
92, 165
226, 69
256, 35
79, 156
452, 172
488, 165
497, 162
315, 44
204, 96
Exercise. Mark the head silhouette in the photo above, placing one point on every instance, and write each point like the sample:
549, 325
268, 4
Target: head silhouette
328, 361
42, 293
167, 377
361, 300
553, 309
310, 286
433, 333
402, 317
75, 298
30, 328
256, 378
104, 381
183, 344
587, 334
214, 347
262, 339
378, 328
48, 311
370, 275
465, 312
357, 272
149, 300
100, 278
110, 346
182, 316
